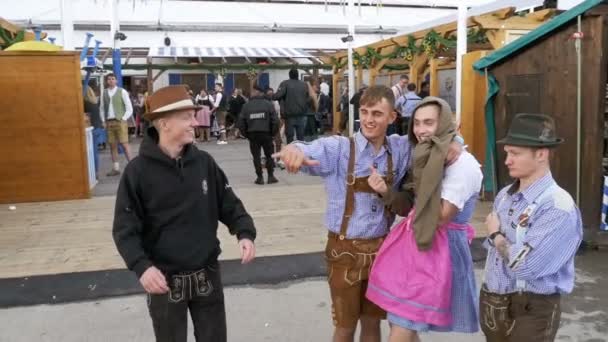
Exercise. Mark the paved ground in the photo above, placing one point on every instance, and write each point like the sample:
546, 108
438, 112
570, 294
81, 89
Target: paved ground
234, 159
288, 312
74, 236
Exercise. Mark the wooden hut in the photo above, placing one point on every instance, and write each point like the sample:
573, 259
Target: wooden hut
42, 141
538, 74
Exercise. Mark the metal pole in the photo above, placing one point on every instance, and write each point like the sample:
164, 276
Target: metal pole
579, 71
114, 28
67, 26
351, 70
461, 50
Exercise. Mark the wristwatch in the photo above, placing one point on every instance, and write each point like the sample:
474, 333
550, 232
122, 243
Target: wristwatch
493, 236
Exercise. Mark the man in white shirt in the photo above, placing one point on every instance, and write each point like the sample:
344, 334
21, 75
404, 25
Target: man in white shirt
399, 88
324, 87
116, 109
220, 107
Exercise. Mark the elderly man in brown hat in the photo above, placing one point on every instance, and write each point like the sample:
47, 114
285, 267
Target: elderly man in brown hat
169, 202
534, 232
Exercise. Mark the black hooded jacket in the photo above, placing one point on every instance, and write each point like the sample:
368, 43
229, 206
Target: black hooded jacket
167, 210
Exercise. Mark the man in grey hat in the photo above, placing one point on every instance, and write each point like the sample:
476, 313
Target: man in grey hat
534, 232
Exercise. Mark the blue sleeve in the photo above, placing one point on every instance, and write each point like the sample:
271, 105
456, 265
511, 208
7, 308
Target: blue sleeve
399, 102
499, 197
401, 146
325, 150
548, 246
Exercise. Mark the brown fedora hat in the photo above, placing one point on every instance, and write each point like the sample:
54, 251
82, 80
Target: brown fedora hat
168, 100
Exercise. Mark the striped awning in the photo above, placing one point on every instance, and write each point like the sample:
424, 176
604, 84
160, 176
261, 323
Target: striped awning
189, 51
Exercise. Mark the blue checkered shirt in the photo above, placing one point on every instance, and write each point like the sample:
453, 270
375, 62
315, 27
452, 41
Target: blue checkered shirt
368, 220
554, 233
407, 103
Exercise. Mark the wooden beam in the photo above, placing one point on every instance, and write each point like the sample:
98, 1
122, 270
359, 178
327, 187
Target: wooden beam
247, 59
224, 61
336, 96
128, 56
200, 59
513, 23
293, 61
313, 60
446, 64
417, 68
542, 15
497, 38
376, 69
325, 59
504, 13
14, 29
434, 86
375, 60
272, 61
373, 73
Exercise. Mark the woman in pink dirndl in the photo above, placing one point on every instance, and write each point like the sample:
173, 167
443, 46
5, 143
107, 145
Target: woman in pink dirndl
423, 274
203, 115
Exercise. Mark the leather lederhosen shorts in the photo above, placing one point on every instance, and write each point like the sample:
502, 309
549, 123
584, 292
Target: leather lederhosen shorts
520, 316
349, 263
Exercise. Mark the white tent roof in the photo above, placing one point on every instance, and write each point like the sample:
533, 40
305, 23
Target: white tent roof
286, 23
186, 51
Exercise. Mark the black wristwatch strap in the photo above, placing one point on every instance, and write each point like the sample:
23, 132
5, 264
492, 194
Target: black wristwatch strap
493, 236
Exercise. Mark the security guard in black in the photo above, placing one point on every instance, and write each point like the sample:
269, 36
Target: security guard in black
259, 122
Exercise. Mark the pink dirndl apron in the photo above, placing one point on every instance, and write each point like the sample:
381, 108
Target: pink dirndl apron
203, 117
414, 284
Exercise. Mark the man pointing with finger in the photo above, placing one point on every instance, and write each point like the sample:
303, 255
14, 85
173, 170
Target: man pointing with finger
356, 218
168, 205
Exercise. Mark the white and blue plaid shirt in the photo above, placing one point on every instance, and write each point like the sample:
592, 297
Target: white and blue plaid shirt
368, 220
553, 235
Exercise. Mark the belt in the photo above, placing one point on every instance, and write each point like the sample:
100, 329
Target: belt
334, 236
187, 285
484, 289
112, 120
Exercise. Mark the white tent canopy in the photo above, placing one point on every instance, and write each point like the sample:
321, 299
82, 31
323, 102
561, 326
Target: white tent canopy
294, 23
187, 51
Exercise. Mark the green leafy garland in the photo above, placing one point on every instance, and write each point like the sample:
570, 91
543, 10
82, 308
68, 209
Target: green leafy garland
8, 41
252, 73
477, 36
222, 68
432, 44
